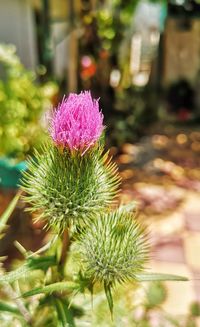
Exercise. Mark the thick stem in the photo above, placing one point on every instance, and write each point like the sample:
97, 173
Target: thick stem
65, 247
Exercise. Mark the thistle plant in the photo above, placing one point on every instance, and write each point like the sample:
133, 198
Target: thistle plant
72, 185
72, 179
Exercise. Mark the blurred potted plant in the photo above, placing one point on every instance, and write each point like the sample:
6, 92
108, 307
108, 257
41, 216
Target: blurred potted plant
22, 103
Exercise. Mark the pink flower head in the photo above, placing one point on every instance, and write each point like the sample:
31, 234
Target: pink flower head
77, 123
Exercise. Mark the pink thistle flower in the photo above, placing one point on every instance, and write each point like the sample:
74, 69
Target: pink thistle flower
77, 123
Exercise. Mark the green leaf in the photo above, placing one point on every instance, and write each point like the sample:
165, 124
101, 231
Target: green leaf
7, 213
48, 289
8, 308
150, 277
65, 315
42, 263
109, 297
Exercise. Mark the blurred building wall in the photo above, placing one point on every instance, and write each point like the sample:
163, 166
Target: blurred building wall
60, 36
17, 26
181, 50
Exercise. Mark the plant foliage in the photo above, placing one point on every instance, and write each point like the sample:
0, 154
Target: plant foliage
22, 102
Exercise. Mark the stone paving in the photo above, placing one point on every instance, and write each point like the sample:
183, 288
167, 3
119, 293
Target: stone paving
162, 173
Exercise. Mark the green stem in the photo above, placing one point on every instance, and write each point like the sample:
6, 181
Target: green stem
65, 248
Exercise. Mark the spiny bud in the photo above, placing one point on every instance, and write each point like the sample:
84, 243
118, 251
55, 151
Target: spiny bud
114, 248
69, 189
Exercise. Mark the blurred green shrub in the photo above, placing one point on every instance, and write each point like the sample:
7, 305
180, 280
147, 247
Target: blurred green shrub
134, 111
156, 294
22, 103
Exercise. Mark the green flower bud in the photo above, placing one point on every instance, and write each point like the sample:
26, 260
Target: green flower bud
114, 248
69, 189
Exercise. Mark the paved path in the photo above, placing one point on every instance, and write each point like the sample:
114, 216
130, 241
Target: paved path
162, 173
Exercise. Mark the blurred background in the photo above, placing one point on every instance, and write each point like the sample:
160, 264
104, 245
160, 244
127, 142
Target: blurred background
142, 59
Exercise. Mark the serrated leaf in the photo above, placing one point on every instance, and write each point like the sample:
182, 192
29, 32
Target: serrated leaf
42, 263
48, 289
150, 277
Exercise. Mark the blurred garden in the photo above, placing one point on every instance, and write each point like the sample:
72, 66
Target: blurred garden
99, 188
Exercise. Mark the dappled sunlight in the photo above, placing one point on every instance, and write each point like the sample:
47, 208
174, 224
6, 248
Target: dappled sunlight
165, 182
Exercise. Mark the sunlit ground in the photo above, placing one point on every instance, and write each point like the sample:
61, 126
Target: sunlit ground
162, 172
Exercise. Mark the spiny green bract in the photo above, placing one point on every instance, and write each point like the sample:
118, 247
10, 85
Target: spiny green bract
114, 248
69, 189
